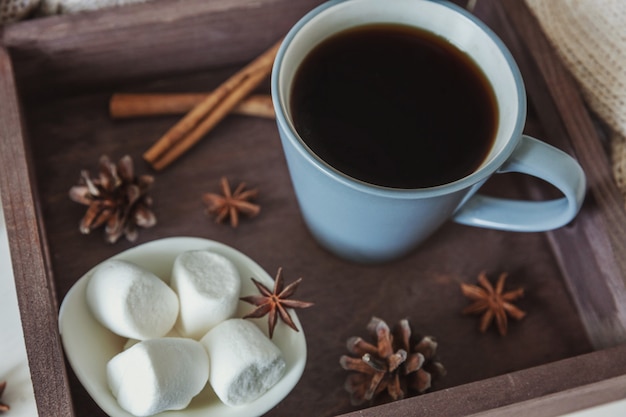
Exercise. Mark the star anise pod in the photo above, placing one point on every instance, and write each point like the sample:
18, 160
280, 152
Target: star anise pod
275, 303
117, 199
3, 407
230, 204
399, 363
492, 302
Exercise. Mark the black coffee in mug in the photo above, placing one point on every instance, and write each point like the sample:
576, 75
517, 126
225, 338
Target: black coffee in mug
394, 106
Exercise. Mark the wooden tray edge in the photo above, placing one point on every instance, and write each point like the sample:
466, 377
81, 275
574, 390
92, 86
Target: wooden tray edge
537, 391
29, 244
33, 280
600, 302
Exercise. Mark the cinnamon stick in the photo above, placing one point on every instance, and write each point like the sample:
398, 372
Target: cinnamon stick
203, 117
127, 105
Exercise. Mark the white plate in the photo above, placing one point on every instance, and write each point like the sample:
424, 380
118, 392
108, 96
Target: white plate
89, 346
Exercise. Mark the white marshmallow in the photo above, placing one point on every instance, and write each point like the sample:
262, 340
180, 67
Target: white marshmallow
131, 301
208, 286
244, 362
158, 374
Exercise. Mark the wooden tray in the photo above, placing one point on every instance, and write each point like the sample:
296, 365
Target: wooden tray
56, 76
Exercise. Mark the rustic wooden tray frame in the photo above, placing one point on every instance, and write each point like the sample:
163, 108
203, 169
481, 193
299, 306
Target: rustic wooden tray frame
76, 53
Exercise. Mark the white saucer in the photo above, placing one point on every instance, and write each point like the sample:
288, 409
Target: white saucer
89, 346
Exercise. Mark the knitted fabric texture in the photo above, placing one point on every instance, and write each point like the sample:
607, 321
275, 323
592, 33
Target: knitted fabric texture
590, 37
13, 10
49, 7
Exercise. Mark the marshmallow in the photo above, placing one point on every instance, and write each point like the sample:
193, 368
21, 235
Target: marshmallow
208, 287
244, 362
131, 301
158, 374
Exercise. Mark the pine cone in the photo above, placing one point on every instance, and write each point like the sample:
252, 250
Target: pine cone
116, 199
398, 364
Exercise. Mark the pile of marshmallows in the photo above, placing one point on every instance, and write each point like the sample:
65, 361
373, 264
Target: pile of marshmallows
176, 330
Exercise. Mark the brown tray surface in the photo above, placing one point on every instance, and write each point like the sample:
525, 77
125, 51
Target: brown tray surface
69, 130
70, 134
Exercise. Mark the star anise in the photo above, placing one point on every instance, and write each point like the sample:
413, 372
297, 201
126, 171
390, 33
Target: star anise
492, 302
116, 198
275, 303
3, 407
230, 204
399, 363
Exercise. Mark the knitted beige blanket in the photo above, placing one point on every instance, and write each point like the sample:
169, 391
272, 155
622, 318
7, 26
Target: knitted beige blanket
590, 37
14, 10
73, 6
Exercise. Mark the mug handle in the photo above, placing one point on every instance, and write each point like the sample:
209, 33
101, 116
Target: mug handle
540, 160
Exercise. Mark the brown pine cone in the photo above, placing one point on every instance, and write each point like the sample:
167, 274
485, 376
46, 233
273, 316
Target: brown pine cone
116, 199
399, 363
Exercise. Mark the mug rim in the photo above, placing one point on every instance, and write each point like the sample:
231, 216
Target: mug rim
476, 177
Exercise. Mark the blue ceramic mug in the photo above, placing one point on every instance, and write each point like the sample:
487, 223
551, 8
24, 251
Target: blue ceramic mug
371, 223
